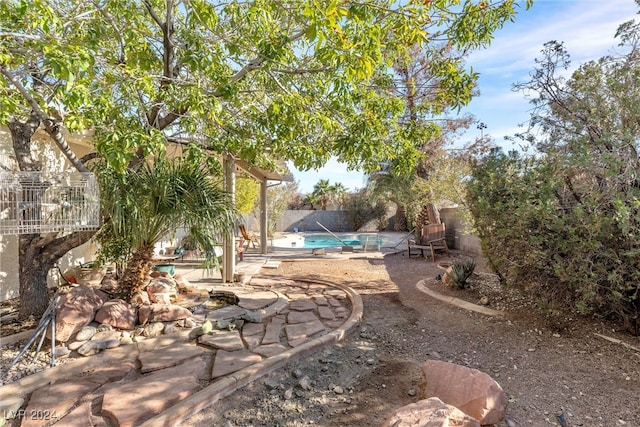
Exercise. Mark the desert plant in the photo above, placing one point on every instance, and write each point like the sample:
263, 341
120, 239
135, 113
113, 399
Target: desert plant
461, 271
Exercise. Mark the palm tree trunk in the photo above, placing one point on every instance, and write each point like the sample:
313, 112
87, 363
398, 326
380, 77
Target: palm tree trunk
136, 272
400, 223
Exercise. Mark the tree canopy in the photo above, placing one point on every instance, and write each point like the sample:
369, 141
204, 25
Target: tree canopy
260, 79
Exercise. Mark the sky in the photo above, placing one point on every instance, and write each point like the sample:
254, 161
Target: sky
587, 28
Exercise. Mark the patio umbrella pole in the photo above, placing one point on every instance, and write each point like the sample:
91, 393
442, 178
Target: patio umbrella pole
348, 247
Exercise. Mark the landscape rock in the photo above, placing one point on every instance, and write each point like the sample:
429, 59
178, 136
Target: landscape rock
118, 313
74, 345
140, 298
153, 329
109, 283
430, 413
91, 348
104, 327
161, 313
86, 333
473, 392
105, 336
162, 290
75, 310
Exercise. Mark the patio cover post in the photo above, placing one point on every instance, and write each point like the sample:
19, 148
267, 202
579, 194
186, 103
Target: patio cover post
229, 249
263, 216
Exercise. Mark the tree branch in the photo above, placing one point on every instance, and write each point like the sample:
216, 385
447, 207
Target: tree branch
51, 126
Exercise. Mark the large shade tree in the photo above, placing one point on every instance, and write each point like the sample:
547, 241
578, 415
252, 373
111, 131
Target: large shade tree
257, 80
429, 121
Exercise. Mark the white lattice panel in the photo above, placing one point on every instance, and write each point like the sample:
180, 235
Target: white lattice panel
37, 202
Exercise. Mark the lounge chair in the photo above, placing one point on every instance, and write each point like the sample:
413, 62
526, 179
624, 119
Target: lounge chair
432, 237
250, 238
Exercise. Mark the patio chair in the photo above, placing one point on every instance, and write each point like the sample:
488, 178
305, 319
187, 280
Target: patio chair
250, 238
432, 237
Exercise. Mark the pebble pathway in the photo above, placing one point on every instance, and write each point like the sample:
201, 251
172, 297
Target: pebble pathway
133, 383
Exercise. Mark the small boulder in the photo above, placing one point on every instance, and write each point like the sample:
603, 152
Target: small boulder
473, 392
109, 283
162, 313
153, 329
86, 333
75, 310
432, 413
162, 290
140, 298
118, 314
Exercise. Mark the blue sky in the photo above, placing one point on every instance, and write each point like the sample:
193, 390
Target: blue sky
587, 28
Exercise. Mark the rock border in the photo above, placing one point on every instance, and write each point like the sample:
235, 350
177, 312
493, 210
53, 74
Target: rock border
458, 302
232, 382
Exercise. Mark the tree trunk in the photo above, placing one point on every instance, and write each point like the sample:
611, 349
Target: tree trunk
34, 294
37, 254
428, 215
401, 218
136, 272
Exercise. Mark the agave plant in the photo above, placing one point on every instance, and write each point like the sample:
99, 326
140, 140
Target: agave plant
461, 271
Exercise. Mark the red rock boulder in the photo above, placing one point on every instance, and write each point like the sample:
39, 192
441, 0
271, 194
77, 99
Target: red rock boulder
473, 392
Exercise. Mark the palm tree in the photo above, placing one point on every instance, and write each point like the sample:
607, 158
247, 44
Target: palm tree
396, 189
311, 199
142, 206
338, 191
323, 191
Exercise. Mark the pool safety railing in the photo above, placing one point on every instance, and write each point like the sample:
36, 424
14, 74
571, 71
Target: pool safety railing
345, 246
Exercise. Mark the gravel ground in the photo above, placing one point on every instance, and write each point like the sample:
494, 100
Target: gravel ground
553, 369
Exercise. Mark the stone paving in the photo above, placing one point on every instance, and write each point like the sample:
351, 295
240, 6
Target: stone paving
142, 383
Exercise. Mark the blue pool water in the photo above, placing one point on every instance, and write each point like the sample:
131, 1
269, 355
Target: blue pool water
350, 239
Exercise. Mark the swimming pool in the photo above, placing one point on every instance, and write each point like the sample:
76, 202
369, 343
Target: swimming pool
370, 241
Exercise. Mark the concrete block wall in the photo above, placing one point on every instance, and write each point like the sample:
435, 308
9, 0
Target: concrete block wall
457, 234
306, 220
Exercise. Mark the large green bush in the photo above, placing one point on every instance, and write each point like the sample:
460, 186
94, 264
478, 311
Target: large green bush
564, 224
580, 255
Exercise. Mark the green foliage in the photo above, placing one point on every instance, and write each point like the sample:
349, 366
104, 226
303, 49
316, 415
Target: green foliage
461, 272
565, 225
247, 190
324, 193
278, 199
142, 206
257, 79
360, 208
189, 242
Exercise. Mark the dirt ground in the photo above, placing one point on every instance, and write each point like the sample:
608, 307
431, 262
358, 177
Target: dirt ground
556, 371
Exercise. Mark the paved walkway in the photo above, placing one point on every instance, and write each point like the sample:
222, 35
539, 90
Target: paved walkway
164, 380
